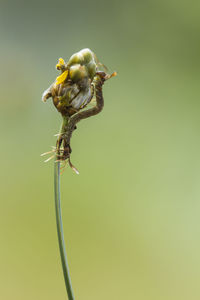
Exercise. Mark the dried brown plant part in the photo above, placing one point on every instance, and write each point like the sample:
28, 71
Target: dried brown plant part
70, 125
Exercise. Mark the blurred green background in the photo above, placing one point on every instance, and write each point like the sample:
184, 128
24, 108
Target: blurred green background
131, 218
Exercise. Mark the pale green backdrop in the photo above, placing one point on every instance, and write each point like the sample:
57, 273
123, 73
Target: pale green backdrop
132, 216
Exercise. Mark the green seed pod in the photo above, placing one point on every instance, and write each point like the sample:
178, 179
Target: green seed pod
91, 69
76, 58
82, 57
87, 55
77, 72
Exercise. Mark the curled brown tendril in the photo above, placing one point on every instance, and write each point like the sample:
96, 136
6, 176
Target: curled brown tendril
63, 148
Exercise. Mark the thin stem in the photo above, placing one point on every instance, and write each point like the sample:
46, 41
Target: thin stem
60, 231
67, 128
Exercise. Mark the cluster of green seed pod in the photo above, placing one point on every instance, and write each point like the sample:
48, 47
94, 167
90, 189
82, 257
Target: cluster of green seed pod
81, 65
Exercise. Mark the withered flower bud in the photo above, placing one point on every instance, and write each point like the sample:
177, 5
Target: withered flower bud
73, 89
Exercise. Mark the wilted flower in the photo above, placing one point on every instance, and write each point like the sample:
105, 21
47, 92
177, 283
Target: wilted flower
73, 89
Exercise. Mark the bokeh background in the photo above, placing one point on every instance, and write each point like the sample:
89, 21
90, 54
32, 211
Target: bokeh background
132, 216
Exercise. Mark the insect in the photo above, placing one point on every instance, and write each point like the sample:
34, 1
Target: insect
79, 82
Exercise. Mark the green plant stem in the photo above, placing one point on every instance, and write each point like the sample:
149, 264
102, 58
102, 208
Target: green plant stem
66, 130
60, 231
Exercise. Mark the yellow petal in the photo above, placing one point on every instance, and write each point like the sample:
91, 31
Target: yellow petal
60, 62
62, 77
